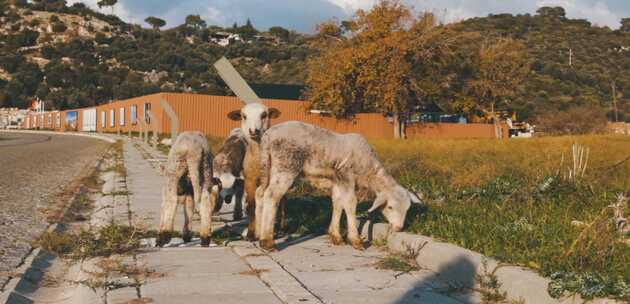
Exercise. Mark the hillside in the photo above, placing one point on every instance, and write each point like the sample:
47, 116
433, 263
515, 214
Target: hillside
74, 57
573, 62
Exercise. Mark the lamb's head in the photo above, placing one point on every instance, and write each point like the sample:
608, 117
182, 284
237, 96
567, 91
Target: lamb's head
394, 204
255, 119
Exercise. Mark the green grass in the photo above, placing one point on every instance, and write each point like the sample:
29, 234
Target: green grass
503, 199
88, 243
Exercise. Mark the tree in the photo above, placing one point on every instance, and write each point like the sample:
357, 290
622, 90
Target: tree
155, 22
369, 69
625, 25
280, 32
552, 12
195, 22
247, 31
110, 3
500, 69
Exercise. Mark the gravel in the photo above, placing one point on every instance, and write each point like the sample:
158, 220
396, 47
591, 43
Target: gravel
33, 169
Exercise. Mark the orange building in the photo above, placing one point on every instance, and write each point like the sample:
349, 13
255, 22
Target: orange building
208, 114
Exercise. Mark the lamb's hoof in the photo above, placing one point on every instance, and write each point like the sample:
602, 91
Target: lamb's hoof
357, 244
187, 236
163, 238
267, 244
205, 241
251, 236
336, 240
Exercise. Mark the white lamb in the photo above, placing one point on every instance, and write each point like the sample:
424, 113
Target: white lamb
336, 162
188, 169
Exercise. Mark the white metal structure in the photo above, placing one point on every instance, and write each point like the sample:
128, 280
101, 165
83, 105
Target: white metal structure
122, 116
89, 120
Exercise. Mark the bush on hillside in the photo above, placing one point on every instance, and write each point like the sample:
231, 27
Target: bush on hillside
576, 120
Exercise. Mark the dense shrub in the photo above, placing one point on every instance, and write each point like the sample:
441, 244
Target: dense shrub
576, 120
59, 27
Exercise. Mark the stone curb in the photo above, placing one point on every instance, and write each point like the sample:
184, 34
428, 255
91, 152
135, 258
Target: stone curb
461, 265
89, 135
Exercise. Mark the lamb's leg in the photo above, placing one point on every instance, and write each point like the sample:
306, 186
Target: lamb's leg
350, 207
337, 205
282, 216
205, 210
169, 207
252, 209
189, 210
278, 185
193, 173
258, 211
238, 205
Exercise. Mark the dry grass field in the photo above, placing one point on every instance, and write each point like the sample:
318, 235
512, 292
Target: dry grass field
520, 201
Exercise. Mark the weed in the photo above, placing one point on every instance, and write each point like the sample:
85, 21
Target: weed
380, 242
489, 286
88, 243
401, 261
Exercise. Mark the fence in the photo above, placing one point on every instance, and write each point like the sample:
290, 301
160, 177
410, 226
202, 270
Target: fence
208, 114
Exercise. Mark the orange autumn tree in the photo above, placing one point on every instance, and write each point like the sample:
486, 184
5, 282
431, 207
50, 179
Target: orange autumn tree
367, 64
500, 68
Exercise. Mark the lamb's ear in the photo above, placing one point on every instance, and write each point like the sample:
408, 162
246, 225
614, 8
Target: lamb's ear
235, 115
274, 113
415, 198
378, 202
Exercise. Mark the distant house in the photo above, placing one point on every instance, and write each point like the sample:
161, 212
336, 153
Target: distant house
225, 38
267, 38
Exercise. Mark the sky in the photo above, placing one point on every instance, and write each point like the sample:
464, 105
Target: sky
304, 15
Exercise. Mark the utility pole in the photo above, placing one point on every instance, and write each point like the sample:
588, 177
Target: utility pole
614, 96
570, 57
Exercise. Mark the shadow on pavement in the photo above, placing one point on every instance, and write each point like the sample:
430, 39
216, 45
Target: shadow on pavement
457, 276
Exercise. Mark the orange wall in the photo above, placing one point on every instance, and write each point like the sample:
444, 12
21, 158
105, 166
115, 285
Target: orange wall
208, 114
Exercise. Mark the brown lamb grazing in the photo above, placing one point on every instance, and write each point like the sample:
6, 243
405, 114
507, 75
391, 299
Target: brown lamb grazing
188, 170
255, 119
227, 168
339, 163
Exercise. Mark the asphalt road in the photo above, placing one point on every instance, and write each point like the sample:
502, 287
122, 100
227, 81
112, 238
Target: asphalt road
33, 168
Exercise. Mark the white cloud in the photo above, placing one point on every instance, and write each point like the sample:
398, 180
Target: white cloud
119, 10
596, 12
350, 6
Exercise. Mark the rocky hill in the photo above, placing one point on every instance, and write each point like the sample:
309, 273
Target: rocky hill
75, 57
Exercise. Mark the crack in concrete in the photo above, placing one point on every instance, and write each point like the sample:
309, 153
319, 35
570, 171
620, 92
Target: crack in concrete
319, 298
